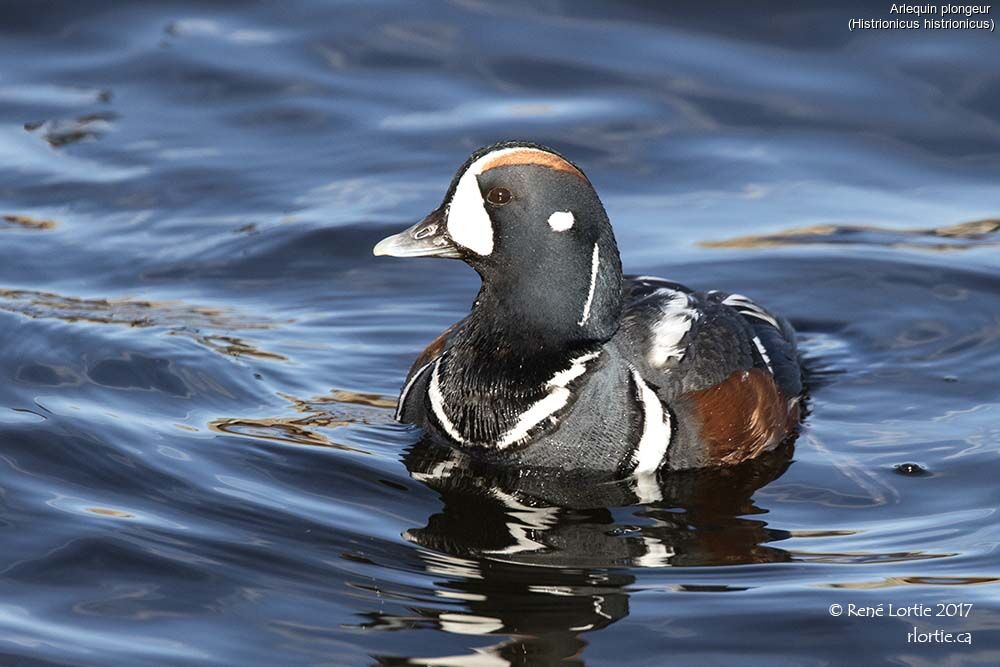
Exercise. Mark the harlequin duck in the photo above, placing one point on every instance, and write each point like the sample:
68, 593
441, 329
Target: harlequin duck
566, 363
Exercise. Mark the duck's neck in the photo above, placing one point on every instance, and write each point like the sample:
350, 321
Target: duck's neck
522, 334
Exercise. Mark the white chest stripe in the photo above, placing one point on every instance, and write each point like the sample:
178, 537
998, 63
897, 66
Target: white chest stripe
763, 353
437, 405
656, 431
406, 389
677, 318
554, 401
595, 262
557, 397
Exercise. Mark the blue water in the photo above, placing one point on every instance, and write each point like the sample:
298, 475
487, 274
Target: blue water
199, 355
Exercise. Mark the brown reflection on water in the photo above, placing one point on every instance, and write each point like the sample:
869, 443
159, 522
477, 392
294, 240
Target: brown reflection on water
892, 582
962, 236
341, 397
208, 326
865, 558
27, 222
821, 533
62, 132
236, 347
340, 408
107, 511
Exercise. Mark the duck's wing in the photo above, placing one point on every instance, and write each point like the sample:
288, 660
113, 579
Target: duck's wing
774, 338
683, 340
680, 341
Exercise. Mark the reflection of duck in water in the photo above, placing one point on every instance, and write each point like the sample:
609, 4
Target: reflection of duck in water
544, 517
542, 556
563, 362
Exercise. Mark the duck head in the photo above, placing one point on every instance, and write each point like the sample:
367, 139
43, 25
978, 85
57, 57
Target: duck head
531, 224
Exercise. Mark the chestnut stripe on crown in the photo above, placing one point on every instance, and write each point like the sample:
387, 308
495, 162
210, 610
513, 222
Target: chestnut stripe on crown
530, 156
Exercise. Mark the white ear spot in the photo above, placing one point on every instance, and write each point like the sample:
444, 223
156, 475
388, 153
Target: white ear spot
560, 221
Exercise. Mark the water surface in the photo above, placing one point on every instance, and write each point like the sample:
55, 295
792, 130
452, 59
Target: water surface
199, 356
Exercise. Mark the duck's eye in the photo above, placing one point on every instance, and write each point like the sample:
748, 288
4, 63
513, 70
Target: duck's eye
499, 196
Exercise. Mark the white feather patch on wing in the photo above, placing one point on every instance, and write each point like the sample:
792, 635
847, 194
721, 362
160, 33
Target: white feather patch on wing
595, 262
676, 319
656, 430
763, 353
557, 397
560, 221
747, 307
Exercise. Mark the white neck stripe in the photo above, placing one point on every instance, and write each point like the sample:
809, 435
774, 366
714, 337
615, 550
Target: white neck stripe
657, 553
595, 261
646, 487
407, 387
437, 405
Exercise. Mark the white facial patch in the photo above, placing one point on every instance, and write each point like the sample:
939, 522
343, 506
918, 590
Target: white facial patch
467, 220
468, 223
560, 221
